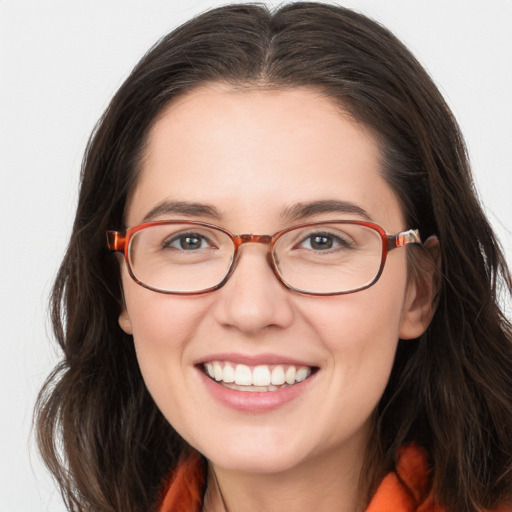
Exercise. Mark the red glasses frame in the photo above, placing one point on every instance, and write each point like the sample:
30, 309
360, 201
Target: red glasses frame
119, 241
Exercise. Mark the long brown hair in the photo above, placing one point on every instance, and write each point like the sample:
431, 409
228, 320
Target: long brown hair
100, 432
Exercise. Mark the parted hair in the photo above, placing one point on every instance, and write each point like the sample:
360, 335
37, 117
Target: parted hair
98, 429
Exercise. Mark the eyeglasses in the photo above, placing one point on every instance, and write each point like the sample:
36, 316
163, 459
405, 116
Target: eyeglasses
318, 258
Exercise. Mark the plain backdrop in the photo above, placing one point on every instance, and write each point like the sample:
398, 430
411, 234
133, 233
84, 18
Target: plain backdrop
60, 63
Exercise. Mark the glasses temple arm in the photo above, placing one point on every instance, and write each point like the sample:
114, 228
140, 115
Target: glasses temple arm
115, 241
412, 236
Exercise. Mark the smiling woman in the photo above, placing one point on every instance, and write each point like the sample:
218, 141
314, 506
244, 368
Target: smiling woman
294, 319
252, 325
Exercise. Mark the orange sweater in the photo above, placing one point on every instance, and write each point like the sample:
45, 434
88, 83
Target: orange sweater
403, 490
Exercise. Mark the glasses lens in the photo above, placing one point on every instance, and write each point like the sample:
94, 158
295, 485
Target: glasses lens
329, 258
180, 257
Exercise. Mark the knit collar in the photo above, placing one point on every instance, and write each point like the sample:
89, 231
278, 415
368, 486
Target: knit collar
405, 490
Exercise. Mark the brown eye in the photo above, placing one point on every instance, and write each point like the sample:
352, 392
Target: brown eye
187, 242
321, 242
324, 242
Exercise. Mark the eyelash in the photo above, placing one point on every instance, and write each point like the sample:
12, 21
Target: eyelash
181, 237
341, 242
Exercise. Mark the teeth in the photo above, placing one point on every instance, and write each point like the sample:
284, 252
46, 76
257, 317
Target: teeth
258, 378
302, 374
290, 375
228, 374
217, 371
261, 376
243, 375
278, 377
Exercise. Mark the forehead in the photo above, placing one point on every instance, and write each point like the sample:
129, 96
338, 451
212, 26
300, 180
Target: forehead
249, 151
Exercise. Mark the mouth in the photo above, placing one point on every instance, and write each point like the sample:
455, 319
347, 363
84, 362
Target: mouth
260, 378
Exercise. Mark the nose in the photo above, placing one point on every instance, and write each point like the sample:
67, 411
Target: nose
253, 299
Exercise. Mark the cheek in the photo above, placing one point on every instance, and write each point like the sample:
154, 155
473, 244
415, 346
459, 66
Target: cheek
361, 344
162, 327
367, 318
156, 318
361, 331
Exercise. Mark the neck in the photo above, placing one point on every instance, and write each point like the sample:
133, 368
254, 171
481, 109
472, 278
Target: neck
323, 485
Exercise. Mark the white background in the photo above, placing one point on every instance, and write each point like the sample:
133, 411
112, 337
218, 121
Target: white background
60, 63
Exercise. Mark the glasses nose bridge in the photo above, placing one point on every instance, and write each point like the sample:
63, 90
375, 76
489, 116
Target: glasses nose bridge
239, 240
251, 239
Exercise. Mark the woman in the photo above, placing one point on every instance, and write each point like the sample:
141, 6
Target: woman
303, 310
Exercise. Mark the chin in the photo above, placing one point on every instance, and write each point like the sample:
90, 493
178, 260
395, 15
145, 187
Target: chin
263, 454
255, 463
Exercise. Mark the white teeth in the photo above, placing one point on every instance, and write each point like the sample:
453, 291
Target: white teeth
278, 377
243, 375
290, 375
258, 378
217, 371
228, 374
302, 374
261, 376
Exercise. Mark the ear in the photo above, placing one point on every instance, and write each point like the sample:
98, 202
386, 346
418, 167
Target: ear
421, 298
124, 321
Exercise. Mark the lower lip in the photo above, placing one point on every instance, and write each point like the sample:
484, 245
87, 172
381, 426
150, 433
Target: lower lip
254, 402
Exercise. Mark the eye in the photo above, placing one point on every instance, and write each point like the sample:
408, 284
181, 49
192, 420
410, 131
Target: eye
325, 242
187, 242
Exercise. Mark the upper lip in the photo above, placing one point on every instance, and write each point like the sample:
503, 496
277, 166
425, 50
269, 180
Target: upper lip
253, 359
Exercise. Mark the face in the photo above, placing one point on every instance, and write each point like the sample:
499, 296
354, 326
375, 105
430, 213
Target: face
251, 157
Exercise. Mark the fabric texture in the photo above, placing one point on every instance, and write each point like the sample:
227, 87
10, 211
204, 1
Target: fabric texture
405, 490
186, 486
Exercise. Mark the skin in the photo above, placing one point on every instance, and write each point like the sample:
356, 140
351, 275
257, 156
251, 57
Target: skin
252, 155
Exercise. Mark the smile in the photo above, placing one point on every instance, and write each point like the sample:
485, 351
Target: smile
260, 378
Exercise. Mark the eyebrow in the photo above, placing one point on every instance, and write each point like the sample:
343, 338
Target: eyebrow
296, 212
303, 210
184, 208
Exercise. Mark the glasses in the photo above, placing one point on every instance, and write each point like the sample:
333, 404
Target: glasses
318, 258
